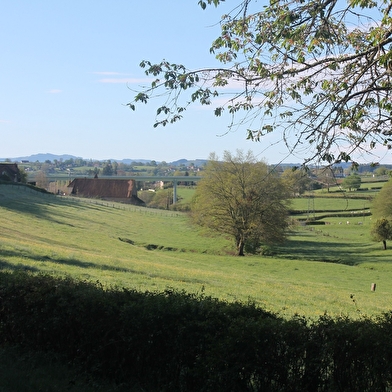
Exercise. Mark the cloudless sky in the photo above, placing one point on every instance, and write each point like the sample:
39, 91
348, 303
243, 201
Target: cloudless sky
68, 68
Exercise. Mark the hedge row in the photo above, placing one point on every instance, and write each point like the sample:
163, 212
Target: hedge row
360, 211
174, 341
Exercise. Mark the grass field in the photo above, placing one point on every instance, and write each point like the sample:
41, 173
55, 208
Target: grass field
328, 268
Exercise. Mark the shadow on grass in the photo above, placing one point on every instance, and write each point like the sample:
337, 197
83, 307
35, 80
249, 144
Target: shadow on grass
48, 259
313, 249
76, 263
17, 267
30, 200
35, 203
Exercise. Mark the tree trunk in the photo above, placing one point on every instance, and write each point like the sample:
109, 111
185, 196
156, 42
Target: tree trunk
385, 244
240, 247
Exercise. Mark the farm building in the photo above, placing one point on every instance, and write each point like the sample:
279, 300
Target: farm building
107, 189
9, 172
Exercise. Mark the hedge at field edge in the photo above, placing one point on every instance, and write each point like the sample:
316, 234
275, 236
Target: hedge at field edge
175, 341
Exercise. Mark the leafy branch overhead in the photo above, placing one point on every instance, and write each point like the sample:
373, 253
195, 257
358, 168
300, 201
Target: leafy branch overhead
317, 73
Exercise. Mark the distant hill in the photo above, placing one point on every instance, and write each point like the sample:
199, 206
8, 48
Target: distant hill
41, 158
51, 157
187, 162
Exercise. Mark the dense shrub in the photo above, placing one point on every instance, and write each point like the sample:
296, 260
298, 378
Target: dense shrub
174, 341
314, 222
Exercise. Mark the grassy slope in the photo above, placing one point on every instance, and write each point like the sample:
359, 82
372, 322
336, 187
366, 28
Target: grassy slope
317, 270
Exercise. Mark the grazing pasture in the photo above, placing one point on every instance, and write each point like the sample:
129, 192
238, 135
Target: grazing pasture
335, 204
323, 268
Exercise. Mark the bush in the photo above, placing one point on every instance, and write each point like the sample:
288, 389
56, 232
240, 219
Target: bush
314, 222
175, 341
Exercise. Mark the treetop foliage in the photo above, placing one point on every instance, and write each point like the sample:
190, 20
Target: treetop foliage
353, 181
382, 231
382, 203
317, 73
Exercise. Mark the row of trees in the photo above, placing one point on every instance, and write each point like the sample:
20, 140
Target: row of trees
300, 180
80, 162
111, 168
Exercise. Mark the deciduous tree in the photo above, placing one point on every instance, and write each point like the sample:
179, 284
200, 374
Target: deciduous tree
23, 175
42, 180
297, 180
381, 171
240, 197
352, 182
382, 231
325, 177
317, 72
382, 203
108, 169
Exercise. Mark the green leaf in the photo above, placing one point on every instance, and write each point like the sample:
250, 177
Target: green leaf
218, 111
202, 4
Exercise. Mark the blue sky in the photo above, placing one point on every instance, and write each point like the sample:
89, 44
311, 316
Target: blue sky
67, 69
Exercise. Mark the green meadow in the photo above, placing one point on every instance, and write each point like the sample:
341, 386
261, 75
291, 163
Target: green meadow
320, 269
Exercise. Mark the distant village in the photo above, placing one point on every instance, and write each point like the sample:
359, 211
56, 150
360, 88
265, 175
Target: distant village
79, 166
118, 180
106, 180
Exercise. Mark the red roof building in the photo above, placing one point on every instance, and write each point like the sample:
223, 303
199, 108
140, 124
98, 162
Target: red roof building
106, 189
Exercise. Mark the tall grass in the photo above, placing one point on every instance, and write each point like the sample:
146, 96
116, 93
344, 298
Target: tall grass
321, 269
